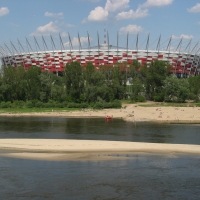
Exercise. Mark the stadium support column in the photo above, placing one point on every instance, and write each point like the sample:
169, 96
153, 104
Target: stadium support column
10, 54
98, 47
29, 46
3, 53
193, 56
194, 61
127, 48
70, 45
45, 45
61, 43
53, 48
188, 46
20, 45
136, 46
108, 47
61, 47
147, 48
117, 47
80, 47
169, 47
88, 44
38, 47
178, 47
158, 47
126, 54
198, 62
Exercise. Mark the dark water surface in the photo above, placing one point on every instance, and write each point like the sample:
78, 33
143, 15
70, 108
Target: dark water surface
143, 176
97, 129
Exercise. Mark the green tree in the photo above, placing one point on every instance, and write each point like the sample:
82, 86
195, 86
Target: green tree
74, 82
176, 90
33, 86
153, 77
194, 86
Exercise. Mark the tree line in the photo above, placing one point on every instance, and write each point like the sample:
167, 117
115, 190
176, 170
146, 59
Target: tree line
86, 86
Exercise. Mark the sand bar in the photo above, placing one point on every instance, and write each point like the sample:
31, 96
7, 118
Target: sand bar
69, 149
131, 112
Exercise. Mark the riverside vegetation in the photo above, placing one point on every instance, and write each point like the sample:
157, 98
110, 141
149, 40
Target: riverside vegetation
83, 87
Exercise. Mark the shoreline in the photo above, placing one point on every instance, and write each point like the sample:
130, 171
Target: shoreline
132, 113
67, 149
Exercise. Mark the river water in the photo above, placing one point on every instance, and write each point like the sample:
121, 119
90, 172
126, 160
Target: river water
143, 176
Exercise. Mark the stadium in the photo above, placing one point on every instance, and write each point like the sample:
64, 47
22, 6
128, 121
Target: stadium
185, 60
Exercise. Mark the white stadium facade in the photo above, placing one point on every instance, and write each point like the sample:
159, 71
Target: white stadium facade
184, 62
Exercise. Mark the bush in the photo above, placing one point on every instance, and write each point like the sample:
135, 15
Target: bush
116, 104
39, 104
98, 105
5, 104
140, 98
59, 105
84, 105
18, 104
29, 104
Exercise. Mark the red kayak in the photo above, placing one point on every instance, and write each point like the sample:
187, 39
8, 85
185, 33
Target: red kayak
108, 117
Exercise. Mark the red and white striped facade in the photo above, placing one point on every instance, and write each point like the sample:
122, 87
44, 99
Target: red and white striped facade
184, 63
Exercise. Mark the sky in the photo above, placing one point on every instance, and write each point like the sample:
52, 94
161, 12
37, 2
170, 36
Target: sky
21, 19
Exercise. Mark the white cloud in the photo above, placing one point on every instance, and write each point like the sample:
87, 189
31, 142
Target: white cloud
139, 13
4, 11
114, 5
187, 37
56, 15
75, 41
98, 14
152, 3
102, 13
51, 27
131, 29
195, 9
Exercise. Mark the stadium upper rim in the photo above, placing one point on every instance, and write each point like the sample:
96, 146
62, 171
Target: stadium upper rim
184, 61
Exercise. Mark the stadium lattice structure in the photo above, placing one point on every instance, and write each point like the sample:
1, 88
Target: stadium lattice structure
184, 62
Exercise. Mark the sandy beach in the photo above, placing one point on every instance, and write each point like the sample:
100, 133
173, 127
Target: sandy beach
55, 149
132, 112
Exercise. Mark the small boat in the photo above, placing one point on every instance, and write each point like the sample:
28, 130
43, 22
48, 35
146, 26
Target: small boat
108, 117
